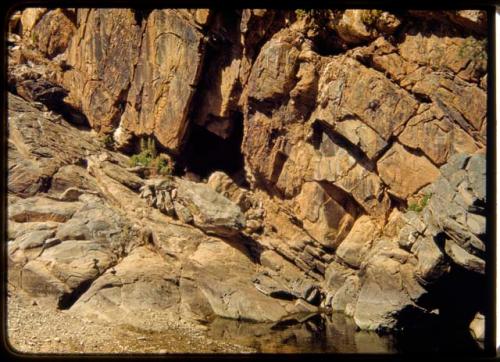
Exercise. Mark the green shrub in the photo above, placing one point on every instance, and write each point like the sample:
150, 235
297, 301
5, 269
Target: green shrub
148, 157
108, 141
419, 206
34, 37
300, 13
473, 48
163, 166
369, 17
141, 159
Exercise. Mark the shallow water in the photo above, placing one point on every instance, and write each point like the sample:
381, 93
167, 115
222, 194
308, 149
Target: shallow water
336, 333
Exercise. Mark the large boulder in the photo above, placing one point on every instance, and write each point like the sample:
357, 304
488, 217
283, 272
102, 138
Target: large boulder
217, 280
388, 288
142, 281
42, 209
196, 203
358, 242
323, 217
405, 172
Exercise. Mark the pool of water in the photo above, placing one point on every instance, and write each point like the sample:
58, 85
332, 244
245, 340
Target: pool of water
337, 333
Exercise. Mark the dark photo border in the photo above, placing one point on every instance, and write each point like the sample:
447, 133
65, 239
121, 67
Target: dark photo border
10, 6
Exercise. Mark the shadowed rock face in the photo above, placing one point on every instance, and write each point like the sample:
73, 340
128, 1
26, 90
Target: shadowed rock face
316, 160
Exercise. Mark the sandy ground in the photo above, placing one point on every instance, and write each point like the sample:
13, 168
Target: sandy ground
34, 326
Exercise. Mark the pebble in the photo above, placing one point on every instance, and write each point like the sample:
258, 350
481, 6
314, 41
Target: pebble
78, 335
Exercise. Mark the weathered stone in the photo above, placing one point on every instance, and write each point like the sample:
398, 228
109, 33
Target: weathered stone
40, 143
71, 194
387, 288
462, 102
211, 212
411, 228
121, 175
337, 166
332, 125
301, 306
351, 27
471, 19
436, 136
70, 176
64, 267
477, 327
53, 32
344, 299
357, 133
336, 275
227, 187
274, 70
358, 242
476, 172
270, 286
432, 263
457, 205
142, 281
183, 213
343, 86
102, 64
445, 51
16, 230
29, 18
404, 172
34, 239
94, 221
323, 218
42, 209
464, 259
218, 281
158, 102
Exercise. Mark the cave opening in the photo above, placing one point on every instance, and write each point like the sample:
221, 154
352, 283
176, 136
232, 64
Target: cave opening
205, 152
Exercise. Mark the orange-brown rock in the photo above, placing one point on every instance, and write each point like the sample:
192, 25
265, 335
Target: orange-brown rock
53, 33
347, 88
404, 172
323, 217
433, 133
102, 55
162, 86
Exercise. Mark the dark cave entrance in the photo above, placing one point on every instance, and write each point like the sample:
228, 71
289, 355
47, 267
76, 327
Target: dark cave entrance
205, 152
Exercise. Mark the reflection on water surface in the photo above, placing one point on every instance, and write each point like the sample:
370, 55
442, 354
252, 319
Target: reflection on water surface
336, 333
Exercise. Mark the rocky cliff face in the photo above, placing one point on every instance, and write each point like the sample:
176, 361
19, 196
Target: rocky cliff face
321, 160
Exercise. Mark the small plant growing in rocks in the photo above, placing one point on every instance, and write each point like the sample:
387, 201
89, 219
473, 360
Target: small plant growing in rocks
369, 17
163, 165
148, 156
301, 13
108, 141
421, 204
473, 48
34, 37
